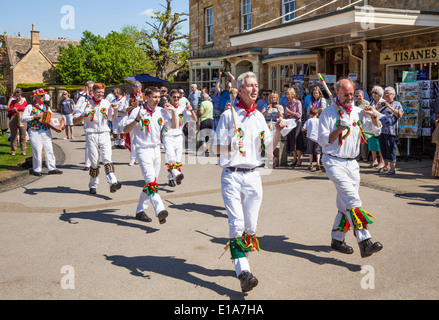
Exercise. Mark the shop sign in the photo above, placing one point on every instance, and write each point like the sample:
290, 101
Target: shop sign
410, 56
206, 64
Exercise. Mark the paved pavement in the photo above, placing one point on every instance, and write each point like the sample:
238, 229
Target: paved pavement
60, 242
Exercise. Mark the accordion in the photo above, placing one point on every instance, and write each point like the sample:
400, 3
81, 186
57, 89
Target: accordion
53, 123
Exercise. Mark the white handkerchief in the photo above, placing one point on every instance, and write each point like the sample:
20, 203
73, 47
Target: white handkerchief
291, 124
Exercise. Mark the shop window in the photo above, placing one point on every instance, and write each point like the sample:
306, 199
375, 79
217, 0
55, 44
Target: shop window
435, 71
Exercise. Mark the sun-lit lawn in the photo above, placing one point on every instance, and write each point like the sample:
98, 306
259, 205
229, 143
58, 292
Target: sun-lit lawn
8, 162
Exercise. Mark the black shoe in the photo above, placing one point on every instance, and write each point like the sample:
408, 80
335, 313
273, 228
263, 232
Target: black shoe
92, 191
341, 246
171, 183
36, 174
162, 216
56, 171
367, 247
179, 178
143, 217
115, 186
86, 169
248, 281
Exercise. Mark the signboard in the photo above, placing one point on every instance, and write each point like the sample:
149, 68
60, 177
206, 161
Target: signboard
353, 76
206, 64
410, 56
331, 78
298, 78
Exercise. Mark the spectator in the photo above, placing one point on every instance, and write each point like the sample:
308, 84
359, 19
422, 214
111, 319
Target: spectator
206, 121
373, 142
361, 103
164, 96
17, 128
284, 100
392, 111
194, 97
318, 101
311, 127
293, 110
66, 106
262, 103
235, 99
357, 87
272, 113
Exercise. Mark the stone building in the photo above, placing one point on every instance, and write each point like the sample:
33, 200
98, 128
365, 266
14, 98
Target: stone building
372, 41
31, 60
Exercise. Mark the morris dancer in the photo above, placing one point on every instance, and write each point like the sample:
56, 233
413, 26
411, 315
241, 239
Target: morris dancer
39, 134
98, 138
173, 139
147, 122
341, 131
81, 104
135, 99
241, 135
118, 125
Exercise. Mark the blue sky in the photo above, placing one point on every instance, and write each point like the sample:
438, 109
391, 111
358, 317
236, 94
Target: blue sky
54, 18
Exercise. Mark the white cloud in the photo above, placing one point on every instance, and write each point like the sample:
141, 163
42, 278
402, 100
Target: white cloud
147, 12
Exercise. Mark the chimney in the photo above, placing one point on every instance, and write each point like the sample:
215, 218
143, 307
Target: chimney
35, 36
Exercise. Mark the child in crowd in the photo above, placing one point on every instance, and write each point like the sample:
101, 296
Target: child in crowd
312, 128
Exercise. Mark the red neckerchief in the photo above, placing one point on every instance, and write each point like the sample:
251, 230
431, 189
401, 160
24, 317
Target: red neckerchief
96, 102
347, 109
146, 107
248, 110
176, 106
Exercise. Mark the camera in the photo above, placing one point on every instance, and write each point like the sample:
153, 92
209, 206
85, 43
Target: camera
383, 104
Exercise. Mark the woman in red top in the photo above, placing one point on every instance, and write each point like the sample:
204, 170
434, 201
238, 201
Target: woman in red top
17, 127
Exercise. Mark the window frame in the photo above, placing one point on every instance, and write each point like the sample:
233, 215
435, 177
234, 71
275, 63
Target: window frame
208, 25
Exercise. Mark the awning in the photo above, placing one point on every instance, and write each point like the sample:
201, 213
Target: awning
341, 28
144, 77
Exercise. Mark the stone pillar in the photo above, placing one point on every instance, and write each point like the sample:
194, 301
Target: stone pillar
50, 91
58, 96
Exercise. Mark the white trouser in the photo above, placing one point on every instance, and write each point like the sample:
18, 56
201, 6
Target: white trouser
345, 174
38, 140
174, 151
149, 162
99, 142
242, 196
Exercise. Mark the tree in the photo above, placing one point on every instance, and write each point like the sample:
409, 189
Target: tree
165, 44
108, 60
2, 54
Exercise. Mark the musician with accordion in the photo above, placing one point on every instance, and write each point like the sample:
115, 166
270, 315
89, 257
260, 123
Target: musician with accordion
40, 123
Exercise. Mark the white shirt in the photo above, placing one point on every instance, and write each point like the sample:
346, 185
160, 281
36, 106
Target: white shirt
143, 138
252, 127
96, 116
182, 116
351, 146
312, 128
121, 107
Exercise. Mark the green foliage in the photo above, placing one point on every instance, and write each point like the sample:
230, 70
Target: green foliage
2, 54
108, 60
32, 86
